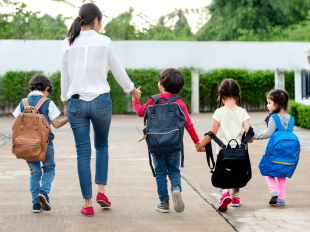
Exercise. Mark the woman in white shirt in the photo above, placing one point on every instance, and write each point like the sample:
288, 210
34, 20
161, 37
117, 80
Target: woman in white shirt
86, 57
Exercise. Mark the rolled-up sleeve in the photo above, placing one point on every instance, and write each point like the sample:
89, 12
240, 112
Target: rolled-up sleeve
118, 70
64, 76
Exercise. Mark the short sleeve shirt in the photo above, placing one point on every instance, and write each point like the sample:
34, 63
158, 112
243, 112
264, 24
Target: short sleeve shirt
53, 111
231, 125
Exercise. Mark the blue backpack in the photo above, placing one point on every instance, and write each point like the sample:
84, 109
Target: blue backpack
282, 152
164, 127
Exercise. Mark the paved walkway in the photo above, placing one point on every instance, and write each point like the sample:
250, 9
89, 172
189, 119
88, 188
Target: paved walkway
132, 188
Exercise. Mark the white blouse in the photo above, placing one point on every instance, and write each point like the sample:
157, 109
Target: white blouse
85, 67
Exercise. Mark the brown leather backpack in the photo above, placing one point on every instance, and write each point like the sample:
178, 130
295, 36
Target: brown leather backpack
30, 133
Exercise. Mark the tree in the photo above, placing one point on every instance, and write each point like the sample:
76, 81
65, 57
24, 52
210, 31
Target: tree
231, 19
24, 24
179, 28
120, 28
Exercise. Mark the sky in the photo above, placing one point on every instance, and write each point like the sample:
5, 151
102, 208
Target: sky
154, 9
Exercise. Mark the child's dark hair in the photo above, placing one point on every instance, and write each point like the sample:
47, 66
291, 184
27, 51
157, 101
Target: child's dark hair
172, 80
228, 88
88, 12
280, 98
40, 82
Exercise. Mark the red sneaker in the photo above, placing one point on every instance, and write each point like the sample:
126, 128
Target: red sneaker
235, 201
103, 200
225, 200
88, 211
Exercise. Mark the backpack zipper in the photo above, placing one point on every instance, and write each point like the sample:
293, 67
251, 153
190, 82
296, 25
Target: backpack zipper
29, 144
149, 133
281, 163
173, 103
44, 119
297, 157
278, 142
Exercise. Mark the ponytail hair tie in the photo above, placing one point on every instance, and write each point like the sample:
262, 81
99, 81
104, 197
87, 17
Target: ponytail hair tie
79, 17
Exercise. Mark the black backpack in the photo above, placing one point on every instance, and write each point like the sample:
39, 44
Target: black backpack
164, 127
233, 166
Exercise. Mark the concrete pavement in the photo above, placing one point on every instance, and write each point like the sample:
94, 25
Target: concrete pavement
132, 188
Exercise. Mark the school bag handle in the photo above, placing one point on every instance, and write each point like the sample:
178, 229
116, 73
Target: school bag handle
228, 145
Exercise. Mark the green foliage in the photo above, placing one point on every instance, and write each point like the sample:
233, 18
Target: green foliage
120, 27
301, 113
15, 87
23, 24
55, 96
256, 20
290, 83
254, 85
148, 80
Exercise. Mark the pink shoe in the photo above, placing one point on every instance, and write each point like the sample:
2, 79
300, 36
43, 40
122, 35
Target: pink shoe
103, 200
235, 201
88, 211
225, 200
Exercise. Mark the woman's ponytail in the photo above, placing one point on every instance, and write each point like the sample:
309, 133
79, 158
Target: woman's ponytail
75, 30
87, 14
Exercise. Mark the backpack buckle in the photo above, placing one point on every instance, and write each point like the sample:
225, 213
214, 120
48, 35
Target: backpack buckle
243, 145
223, 146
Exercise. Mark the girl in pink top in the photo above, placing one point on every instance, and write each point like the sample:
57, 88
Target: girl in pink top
171, 81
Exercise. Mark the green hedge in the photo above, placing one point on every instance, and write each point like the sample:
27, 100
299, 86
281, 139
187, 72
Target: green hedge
146, 78
301, 113
254, 85
14, 87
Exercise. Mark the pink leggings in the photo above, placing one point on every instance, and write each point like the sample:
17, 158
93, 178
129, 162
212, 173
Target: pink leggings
273, 186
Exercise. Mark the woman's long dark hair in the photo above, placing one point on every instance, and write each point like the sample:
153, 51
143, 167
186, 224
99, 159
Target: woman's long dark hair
280, 98
88, 12
228, 88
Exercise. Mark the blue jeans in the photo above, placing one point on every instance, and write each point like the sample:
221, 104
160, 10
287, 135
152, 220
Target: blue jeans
80, 113
36, 173
167, 164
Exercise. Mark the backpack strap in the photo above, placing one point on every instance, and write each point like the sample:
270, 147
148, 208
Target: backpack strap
25, 102
248, 137
155, 98
208, 147
278, 122
216, 139
291, 124
40, 103
209, 155
182, 156
151, 165
173, 98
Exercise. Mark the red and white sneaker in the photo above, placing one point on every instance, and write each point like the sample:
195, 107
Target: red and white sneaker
225, 200
88, 211
235, 201
103, 200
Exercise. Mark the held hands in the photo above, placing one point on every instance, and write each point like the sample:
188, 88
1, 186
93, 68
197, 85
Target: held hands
136, 93
199, 148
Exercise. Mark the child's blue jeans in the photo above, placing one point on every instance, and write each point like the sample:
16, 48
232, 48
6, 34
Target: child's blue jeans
167, 164
48, 168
